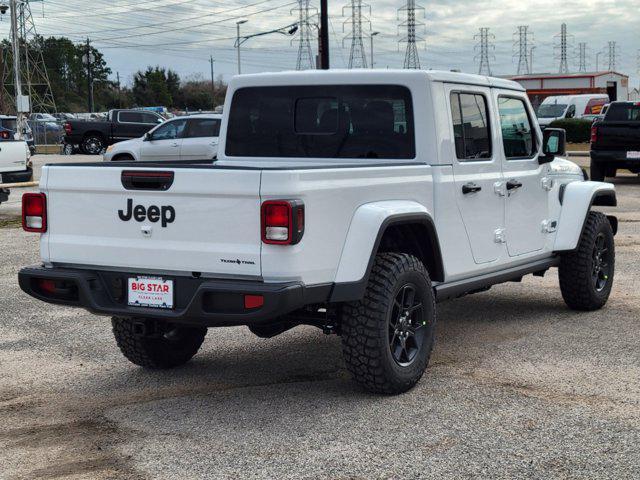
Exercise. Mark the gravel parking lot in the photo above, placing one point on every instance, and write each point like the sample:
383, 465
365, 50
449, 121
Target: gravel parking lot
519, 387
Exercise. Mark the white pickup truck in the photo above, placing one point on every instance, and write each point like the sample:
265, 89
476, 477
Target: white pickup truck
351, 201
14, 164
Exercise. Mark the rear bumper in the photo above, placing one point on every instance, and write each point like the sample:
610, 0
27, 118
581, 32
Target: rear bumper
617, 159
18, 177
204, 302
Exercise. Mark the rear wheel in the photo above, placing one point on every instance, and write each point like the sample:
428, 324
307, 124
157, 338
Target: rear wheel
387, 337
597, 172
586, 275
93, 145
157, 345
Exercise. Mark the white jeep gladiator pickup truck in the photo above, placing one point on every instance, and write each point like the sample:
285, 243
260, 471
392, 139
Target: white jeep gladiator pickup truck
14, 164
350, 201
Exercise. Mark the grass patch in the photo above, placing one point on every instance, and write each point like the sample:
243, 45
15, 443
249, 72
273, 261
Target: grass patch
11, 223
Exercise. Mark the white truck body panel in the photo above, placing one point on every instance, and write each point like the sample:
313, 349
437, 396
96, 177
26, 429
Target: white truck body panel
346, 200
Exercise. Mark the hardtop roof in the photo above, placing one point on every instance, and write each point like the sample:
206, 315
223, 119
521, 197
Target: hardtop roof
329, 77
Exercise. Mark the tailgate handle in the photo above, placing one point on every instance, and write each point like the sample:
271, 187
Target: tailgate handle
132, 180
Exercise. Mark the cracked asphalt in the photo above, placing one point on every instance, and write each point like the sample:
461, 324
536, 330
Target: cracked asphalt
518, 387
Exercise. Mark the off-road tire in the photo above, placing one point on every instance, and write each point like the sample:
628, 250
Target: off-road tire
93, 144
366, 330
576, 268
170, 350
597, 172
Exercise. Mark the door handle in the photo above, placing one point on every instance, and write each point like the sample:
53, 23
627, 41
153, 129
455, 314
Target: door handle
513, 185
471, 188
175, 145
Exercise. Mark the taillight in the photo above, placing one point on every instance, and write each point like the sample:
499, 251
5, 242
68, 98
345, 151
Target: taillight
282, 222
5, 135
34, 212
594, 134
67, 128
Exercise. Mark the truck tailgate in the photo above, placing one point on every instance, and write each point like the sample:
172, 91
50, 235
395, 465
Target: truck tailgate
618, 136
13, 156
207, 221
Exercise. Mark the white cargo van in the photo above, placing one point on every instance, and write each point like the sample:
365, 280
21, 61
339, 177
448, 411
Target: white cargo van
570, 106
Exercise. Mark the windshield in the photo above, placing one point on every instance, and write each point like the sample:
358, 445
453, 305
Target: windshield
552, 110
325, 121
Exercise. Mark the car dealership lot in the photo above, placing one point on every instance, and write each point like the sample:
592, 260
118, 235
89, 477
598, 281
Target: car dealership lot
519, 386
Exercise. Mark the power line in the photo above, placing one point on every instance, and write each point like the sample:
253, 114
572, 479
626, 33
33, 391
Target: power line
411, 57
357, 56
305, 57
523, 38
484, 46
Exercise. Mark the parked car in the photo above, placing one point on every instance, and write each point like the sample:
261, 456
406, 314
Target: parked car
14, 162
352, 201
183, 138
615, 141
570, 106
42, 117
95, 136
10, 122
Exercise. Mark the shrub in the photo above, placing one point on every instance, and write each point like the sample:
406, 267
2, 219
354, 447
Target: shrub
578, 130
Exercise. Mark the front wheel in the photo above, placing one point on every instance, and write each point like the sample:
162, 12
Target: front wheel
93, 145
586, 275
388, 336
166, 347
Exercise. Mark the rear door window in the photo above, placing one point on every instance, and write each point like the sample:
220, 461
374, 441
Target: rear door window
341, 121
204, 127
130, 117
471, 127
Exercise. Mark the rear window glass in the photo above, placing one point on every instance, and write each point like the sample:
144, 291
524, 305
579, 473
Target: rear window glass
359, 121
623, 112
130, 117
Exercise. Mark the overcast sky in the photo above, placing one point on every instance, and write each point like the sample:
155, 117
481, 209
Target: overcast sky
181, 34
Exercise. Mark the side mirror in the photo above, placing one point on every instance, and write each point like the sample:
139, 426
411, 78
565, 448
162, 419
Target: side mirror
147, 137
554, 144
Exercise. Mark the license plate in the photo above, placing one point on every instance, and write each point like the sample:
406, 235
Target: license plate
153, 292
634, 155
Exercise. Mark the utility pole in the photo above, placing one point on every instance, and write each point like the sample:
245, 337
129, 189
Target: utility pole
213, 83
521, 44
323, 42
238, 43
531, 59
371, 37
411, 57
21, 119
88, 60
119, 90
484, 47
357, 57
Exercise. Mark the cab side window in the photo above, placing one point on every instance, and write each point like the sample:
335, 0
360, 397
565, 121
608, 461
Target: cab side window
517, 133
471, 128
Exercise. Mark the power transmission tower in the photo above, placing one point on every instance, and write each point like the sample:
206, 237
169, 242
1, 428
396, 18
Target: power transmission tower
411, 57
563, 48
358, 56
613, 55
33, 71
523, 38
305, 57
582, 56
484, 47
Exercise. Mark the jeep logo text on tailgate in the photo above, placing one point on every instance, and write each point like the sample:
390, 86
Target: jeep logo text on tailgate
165, 214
